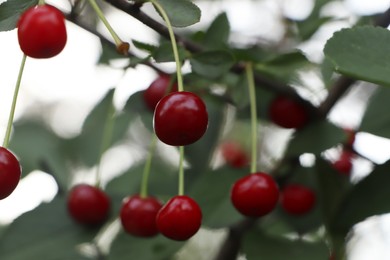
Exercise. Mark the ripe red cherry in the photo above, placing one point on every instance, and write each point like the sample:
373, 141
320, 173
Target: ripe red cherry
138, 216
10, 172
234, 154
180, 218
42, 32
88, 204
287, 113
157, 90
255, 195
297, 199
180, 118
344, 164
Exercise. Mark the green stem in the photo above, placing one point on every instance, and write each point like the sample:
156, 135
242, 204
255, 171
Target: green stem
252, 98
122, 47
106, 139
173, 42
41, 2
181, 171
180, 85
13, 105
146, 172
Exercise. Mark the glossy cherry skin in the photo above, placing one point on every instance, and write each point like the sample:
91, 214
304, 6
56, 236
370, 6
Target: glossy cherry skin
344, 164
10, 172
88, 204
180, 118
255, 195
297, 199
158, 89
287, 113
180, 218
138, 216
42, 31
234, 154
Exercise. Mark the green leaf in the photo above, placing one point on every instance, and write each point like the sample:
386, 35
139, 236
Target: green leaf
87, 146
135, 107
283, 66
47, 232
315, 138
216, 207
181, 13
10, 12
39, 148
217, 35
157, 248
164, 52
352, 53
212, 64
375, 120
257, 245
333, 187
144, 46
367, 198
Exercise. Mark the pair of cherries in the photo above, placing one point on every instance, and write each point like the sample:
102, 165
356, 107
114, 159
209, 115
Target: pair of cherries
179, 219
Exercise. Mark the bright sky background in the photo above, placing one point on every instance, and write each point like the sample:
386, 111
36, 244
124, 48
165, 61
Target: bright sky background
74, 83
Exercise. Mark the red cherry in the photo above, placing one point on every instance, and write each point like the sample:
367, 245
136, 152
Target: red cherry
297, 199
138, 216
287, 113
344, 163
42, 32
157, 90
88, 204
180, 118
234, 154
180, 218
10, 172
255, 195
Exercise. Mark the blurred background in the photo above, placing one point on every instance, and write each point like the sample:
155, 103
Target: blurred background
62, 90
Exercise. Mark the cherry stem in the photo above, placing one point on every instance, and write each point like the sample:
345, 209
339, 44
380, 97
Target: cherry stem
41, 2
173, 42
14, 101
180, 85
106, 139
146, 172
181, 171
122, 47
252, 100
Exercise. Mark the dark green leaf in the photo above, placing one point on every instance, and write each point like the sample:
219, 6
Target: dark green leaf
156, 248
39, 148
217, 35
135, 106
375, 120
46, 232
181, 13
144, 46
332, 189
315, 138
352, 53
10, 12
216, 206
257, 245
367, 198
212, 64
164, 53
88, 145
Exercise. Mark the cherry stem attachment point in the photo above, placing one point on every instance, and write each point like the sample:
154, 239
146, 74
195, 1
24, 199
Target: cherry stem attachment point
173, 42
253, 106
146, 172
14, 101
122, 47
106, 138
41, 2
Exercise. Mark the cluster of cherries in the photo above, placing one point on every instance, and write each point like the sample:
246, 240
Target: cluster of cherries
180, 119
